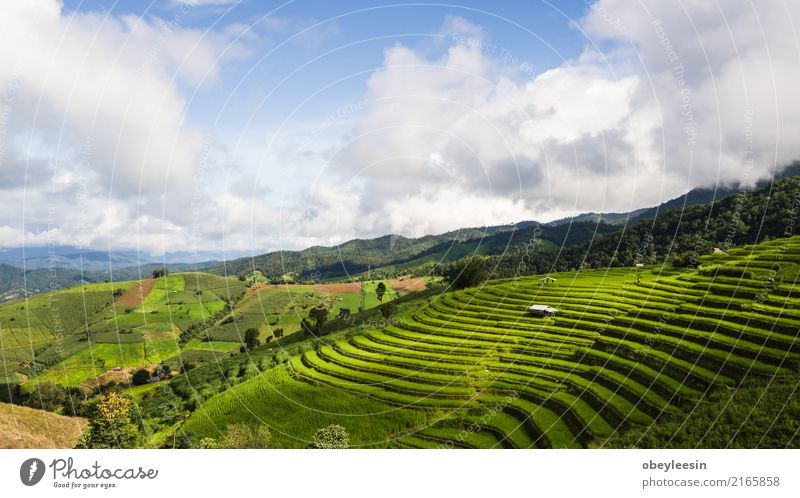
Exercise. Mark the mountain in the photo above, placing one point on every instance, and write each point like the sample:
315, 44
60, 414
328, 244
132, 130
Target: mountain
677, 237
391, 253
692, 198
75, 258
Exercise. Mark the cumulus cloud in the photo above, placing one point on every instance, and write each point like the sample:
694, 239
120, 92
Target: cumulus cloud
461, 128
684, 95
92, 109
95, 145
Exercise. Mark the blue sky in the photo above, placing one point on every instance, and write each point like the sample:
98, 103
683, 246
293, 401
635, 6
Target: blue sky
356, 33
260, 125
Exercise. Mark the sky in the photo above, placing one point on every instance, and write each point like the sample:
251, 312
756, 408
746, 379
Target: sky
250, 126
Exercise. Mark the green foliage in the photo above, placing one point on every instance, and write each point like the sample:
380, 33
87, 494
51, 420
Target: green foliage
319, 315
251, 339
387, 309
110, 425
160, 272
466, 273
140, 377
380, 290
47, 396
242, 436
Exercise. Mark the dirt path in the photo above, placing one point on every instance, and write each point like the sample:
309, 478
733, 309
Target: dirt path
136, 294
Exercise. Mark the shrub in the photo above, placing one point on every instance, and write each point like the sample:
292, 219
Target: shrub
387, 309
251, 338
240, 436
332, 437
140, 377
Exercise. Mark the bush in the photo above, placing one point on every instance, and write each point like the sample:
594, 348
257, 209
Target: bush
387, 309
140, 377
251, 338
332, 437
240, 436
47, 396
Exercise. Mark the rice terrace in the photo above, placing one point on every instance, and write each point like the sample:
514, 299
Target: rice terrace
467, 353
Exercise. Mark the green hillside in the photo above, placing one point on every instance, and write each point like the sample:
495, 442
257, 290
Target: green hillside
392, 255
634, 356
627, 347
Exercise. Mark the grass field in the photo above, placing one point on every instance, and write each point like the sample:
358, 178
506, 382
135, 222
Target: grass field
22, 427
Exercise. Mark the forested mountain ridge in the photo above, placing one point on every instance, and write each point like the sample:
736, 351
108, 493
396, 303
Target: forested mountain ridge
678, 236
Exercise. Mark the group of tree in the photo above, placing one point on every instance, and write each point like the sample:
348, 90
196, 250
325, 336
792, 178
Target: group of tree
251, 340
315, 323
467, 272
110, 424
160, 272
676, 237
144, 376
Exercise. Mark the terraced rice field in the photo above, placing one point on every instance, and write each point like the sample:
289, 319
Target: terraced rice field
76, 334
626, 346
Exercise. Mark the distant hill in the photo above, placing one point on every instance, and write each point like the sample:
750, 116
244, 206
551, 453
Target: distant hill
692, 198
674, 236
16, 283
22, 427
395, 252
75, 258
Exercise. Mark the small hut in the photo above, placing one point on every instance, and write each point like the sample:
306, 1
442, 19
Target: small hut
546, 280
542, 310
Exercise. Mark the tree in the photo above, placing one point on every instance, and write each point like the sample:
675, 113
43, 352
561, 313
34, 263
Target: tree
110, 425
387, 309
241, 436
331, 438
140, 377
380, 290
278, 333
251, 338
320, 316
160, 272
343, 313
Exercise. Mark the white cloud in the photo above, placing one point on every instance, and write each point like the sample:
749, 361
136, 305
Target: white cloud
92, 108
95, 129
203, 3
606, 131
